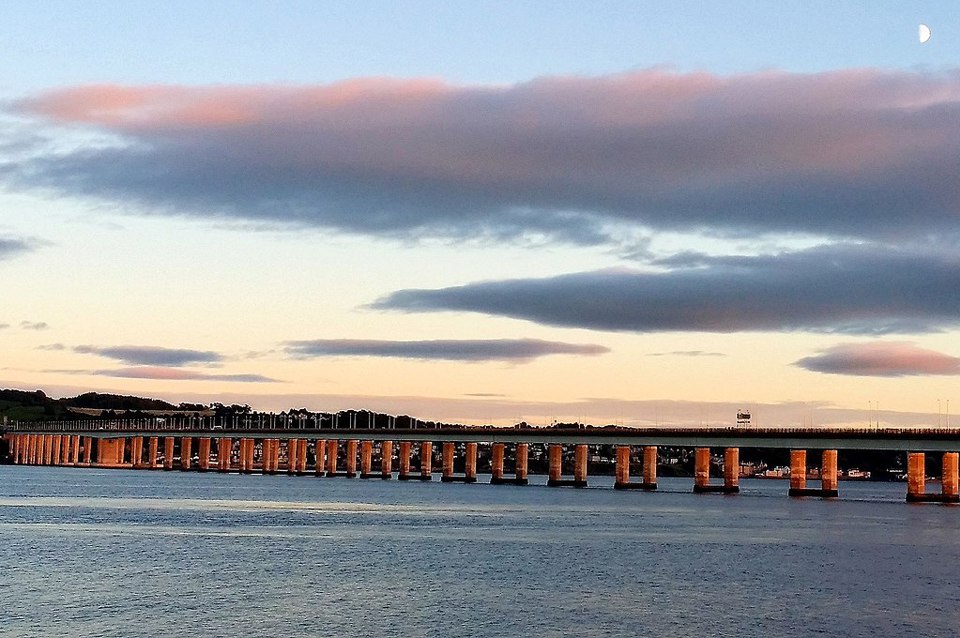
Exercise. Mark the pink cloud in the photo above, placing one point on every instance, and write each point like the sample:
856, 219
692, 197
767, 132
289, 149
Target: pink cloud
849, 152
881, 359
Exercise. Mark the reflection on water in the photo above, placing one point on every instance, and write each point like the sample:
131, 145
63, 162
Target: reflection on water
123, 553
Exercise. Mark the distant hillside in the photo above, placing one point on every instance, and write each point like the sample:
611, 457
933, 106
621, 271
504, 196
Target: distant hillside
32, 406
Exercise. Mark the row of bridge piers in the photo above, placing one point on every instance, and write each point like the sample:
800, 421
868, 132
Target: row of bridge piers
321, 457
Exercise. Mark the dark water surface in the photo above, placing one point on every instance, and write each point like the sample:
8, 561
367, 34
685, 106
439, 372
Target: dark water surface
87, 552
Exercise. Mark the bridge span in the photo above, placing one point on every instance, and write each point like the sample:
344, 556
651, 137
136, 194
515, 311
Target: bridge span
248, 446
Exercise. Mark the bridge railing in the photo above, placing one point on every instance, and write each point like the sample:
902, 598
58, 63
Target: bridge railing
261, 423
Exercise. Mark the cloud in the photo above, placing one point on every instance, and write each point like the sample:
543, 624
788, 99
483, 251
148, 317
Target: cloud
176, 374
34, 325
687, 353
836, 289
881, 359
4, 326
10, 247
849, 153
52, 347
152, 355
160, 373
516, 350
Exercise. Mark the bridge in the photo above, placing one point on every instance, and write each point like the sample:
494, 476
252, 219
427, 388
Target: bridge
304, 445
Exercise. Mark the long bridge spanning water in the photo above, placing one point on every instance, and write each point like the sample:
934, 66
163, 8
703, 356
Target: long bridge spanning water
301, 447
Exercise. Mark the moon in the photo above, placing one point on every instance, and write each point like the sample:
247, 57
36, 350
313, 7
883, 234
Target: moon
925, 33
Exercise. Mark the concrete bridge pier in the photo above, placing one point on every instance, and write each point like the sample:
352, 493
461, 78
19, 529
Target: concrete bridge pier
333, 450
404, 461
266, 456
110, 452
496, 464
555, 456
319, 456
136, 452
580, 465
470, 463
186, 453
57, 448
241, 456
623, 469
447, 475
351, 459
622, 473
252, 455
247, 449
701, 484
203, 463
386, 460
917, 479
87, 450
168, 442
152, 448
302, 458
224, 454
950, 486
275, 456
522, 453
828, 475
555, 468
48, 449
426, 461
293, 456
366, 460
67, 449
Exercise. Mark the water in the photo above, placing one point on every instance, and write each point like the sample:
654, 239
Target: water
87, 552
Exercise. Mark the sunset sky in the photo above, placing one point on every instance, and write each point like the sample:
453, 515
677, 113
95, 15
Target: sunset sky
617, 212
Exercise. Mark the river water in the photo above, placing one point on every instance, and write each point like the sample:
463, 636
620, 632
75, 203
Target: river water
86, 552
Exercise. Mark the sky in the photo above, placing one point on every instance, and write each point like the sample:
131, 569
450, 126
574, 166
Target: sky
640, 213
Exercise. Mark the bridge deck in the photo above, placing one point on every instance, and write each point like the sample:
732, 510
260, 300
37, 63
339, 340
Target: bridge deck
900, 439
